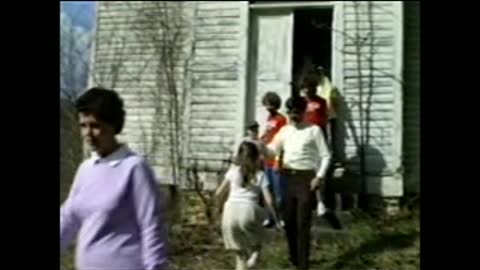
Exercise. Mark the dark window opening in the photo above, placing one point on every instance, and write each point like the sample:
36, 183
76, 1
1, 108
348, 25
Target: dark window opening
312, 45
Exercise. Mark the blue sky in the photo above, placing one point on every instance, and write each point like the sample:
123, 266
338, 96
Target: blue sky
74, 57
81, 12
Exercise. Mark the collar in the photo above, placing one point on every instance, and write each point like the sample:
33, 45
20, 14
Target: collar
114, 158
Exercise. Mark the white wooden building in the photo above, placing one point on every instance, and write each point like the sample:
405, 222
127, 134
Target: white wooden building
228, 54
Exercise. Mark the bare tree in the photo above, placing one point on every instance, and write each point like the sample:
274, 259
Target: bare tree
131, 48
163, 25
364, 51
75, 48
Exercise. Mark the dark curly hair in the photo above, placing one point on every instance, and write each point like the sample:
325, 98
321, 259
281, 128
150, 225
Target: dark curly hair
105, 104
272, 98
311, 80
298, 104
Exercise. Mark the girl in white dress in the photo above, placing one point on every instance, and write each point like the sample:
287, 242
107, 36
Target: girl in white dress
242, 214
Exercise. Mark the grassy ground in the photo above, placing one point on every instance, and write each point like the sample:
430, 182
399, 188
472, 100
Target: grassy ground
391, 243
372, 243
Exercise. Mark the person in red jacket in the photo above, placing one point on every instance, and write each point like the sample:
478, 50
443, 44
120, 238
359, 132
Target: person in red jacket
317, 108
317, 113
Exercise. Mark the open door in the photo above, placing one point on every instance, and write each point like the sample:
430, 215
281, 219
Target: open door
270, 60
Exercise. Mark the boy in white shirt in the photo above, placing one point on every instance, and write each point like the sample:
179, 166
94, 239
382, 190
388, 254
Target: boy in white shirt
304, 149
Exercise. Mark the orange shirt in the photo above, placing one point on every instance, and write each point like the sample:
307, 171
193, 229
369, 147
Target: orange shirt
274, 124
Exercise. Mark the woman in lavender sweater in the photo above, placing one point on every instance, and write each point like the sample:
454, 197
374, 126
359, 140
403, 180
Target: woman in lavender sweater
113, 204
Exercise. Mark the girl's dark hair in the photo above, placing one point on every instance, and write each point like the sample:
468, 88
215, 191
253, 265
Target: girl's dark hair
248, 160
273, 99
105, 104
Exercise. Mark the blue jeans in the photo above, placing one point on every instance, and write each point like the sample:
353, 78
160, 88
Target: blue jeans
278, 186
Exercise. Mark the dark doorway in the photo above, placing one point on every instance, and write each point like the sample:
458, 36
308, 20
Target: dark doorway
312, 41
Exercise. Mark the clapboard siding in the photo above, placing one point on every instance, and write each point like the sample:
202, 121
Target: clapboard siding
210, 68
215, 81
376, 23
412, 97
129, 56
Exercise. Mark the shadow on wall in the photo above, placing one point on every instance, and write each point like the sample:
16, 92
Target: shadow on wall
350, 185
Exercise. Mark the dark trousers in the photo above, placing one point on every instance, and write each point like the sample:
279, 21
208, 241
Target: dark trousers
334, 140
298, 215
328, 192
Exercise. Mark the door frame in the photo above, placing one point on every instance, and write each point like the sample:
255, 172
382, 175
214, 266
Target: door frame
337, 41
250, 113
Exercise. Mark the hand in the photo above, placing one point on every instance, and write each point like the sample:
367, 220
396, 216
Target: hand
315, 183
321, 209
262, 147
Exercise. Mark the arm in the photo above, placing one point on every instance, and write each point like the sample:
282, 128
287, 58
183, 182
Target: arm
69, 222
325, 156
152, 229
222, 189
269, 203
274, 148
222, 194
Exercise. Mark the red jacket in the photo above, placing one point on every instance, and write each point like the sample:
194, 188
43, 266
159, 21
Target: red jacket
317, 112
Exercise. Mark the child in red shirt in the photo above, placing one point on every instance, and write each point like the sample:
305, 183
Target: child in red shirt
275, 122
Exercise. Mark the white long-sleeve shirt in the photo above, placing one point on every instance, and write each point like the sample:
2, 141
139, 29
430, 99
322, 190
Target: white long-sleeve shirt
304, 148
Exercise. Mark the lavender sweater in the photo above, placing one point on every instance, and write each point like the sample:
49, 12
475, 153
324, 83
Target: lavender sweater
114, 207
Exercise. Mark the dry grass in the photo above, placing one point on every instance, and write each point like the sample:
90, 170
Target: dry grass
372, 243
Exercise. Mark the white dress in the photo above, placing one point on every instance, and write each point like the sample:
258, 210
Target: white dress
242, 216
